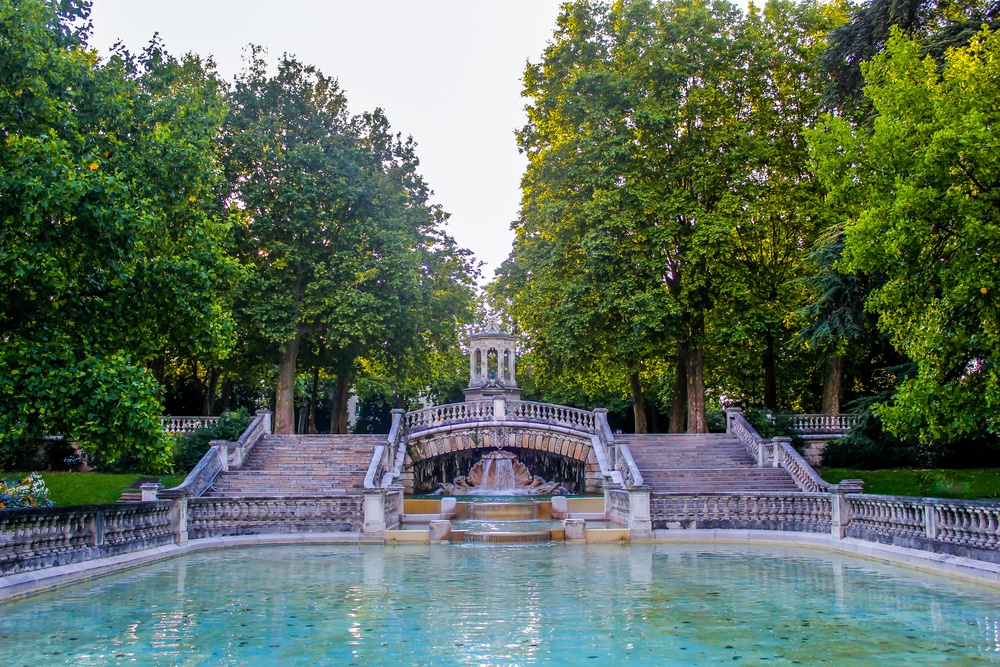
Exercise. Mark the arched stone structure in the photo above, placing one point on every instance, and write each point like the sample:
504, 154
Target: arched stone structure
456, 450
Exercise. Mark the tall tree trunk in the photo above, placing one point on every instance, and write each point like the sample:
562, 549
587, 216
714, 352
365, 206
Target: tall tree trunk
678, 406
833, 384
284, 400
314, 401
770, 380
213, 385
227, 394
638, 401
697, 420
303, 416
338, 409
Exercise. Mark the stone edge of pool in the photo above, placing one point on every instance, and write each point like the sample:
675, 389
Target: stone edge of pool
29, 583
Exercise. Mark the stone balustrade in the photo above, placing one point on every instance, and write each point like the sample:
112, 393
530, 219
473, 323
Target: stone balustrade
965, 528
556, 415
776, 452
36, 538
182, 425
216, 517
802, 512
485, 411
444, 415
804, 424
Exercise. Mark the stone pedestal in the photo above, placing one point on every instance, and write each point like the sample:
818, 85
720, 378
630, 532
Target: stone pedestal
560, 507
374, 512
639, 520
149, 491
439, 531
576, 530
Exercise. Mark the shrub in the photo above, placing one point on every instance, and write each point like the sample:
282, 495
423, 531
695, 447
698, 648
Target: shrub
192, 446
28, 491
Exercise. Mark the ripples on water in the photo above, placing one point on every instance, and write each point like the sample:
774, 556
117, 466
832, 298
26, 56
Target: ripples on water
527, 605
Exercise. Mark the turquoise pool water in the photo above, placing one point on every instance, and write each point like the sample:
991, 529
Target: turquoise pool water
531, 605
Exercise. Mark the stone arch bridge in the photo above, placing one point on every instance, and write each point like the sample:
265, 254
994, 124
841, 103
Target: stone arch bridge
430, 445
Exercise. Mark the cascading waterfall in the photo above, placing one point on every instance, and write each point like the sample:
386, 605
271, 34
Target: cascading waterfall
503, 477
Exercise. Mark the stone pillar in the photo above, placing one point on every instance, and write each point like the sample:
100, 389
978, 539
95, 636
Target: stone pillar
221, 448
930, 521
149, 491
778, 449
513, 366
439, 531
449, 507
374, 512
840, 509
731, 416
179, 520
575, 530
560, 507
639, 521
267, 420
499, 408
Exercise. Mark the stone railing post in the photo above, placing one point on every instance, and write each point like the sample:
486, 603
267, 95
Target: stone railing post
374, 512
778, 450
930, 521
221, 448
731, 417
267, 420
840, 509
179, 520
149, 491
639, 520
499, 408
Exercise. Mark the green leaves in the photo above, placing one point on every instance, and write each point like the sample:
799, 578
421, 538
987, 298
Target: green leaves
924, 182
113, 248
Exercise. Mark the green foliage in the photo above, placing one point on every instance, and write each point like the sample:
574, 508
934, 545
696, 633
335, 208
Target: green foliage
93, 488
191, 447
923, 182
935, 483
109, 235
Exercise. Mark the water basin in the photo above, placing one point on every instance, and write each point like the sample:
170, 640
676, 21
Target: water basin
553, 604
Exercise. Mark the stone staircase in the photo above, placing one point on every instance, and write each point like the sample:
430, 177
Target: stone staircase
300, 466
702, 463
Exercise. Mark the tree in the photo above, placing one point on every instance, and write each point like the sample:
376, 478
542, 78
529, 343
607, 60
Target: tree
109, 233
925, 179
345, 255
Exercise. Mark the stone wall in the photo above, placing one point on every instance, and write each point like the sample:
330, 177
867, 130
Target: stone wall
36, 538
216, 517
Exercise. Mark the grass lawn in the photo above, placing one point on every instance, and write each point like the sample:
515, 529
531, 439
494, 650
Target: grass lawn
980, 484
92, 488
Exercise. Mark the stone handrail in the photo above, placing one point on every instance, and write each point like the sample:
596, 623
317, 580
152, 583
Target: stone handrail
216, 517
185, 424
233, 454
619, 455
737, 425
959, 527
221, 456
803, 424
803, 512
547, 413
777, 452
451, 413
785, 456
34, 538
515, 411
387, 459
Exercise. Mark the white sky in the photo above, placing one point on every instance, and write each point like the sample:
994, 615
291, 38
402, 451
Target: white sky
447, 72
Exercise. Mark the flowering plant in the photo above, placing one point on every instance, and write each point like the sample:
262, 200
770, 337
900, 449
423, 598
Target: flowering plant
28, 491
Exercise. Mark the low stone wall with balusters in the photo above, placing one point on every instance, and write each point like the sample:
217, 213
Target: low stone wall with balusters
36, 538
965, 528
186, 424
802, 512
217, 517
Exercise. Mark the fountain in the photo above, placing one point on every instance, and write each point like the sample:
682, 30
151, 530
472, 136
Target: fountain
499, 473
